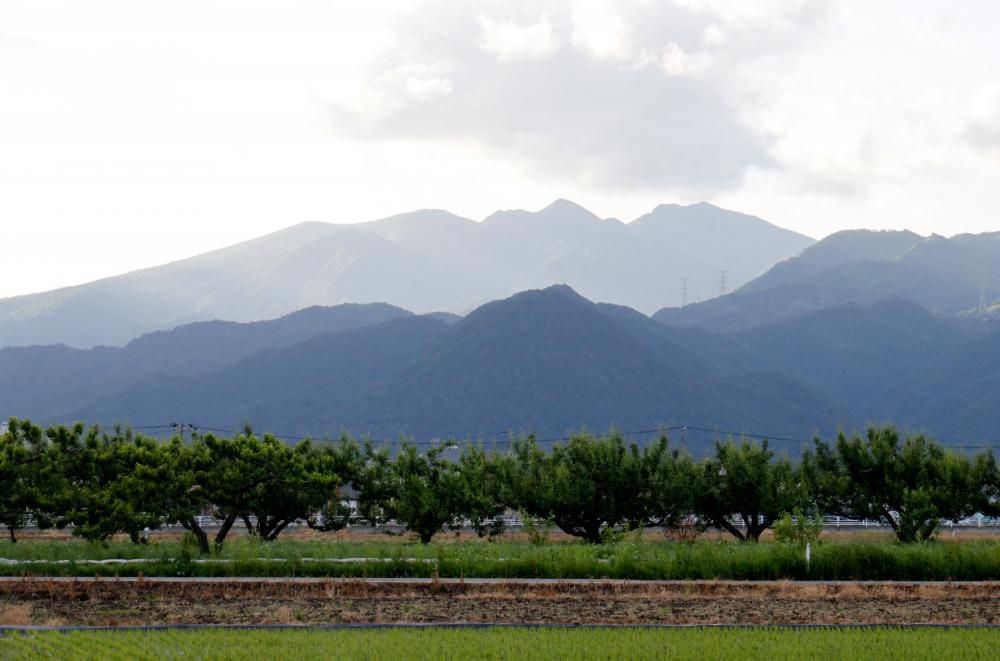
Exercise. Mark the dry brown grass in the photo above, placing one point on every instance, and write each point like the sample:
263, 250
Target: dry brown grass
117, 602
282, 615
17, 615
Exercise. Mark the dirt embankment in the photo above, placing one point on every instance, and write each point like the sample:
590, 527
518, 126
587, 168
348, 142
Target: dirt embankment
151, 602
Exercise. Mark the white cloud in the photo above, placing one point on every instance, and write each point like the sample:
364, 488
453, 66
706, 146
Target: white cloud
676, 62
132, 134
982, 123
617, 95
714, 36
511, 41
754, 12
423, 88
599, 30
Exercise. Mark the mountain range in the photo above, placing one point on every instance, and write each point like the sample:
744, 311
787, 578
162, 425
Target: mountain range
423, 261
859, 327
948, 277
544, 361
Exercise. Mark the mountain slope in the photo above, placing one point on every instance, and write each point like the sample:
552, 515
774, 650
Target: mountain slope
945, 276
956, 395
287, 389
851, 353
40, 381
424, 261
545, 361
838, 249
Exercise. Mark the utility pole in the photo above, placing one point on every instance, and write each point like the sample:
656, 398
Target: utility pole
684, 292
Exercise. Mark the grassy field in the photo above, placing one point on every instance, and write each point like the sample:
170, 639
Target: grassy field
632, 558
773, 643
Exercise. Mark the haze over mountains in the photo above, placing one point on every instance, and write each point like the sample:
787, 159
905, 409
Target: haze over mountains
860, 327
946, 276
545, 361
423, 261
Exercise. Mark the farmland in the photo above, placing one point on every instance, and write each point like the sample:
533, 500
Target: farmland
697, 643
26, 602
637, 556
114, 531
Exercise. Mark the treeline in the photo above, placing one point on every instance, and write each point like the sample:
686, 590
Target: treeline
102, 483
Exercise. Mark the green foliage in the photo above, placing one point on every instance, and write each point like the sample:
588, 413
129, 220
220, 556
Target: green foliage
798, 528
265, 483
102, 483
539, 531
18, 495
423, 492
593, 483
911, 485
107, 483
344, 460
630, 558
746, 480
506, 643
481, 479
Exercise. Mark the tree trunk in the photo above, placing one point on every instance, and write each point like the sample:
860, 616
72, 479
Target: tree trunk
593, 533
273, 535
731, 529
888, 518
199, 534
220, 536
756, 527
11, 532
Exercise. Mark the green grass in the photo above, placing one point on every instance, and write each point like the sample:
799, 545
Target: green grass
771, 643
631, 559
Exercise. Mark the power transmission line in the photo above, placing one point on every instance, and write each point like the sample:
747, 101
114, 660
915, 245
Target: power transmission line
510, 433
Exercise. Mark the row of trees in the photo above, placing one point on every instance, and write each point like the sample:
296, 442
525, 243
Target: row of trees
106, 482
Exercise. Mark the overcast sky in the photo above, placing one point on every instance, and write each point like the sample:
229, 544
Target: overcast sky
134, 133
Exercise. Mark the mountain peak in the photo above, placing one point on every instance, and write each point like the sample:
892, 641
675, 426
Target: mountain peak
528, 306
564, 206
560, 213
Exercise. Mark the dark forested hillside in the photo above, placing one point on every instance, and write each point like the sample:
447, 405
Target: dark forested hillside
956, 394
41, 381
853, 352
545, 361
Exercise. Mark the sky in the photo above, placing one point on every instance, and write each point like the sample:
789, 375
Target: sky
136, 133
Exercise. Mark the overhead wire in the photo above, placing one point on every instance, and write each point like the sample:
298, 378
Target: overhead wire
510, 434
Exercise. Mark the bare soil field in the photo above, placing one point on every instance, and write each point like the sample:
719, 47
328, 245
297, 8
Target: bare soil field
116, 603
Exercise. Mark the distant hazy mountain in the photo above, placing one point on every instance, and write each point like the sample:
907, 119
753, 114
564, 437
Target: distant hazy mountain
424, 261
545, 361
40, 381
945, 276
837, 250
